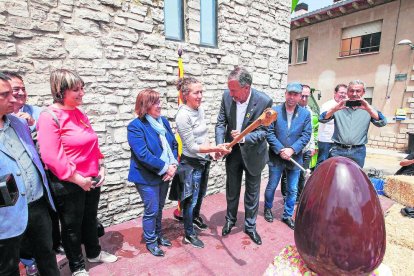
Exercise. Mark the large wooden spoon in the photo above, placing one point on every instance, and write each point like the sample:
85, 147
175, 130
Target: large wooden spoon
268, 116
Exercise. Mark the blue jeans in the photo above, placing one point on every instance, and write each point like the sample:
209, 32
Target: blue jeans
154, 199
356, 153
190, 203
323, 152
292, 176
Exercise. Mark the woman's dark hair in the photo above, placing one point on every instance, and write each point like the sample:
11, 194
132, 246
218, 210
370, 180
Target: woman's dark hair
62, 80
145, 99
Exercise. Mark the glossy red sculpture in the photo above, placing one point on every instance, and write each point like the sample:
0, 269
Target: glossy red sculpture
339, 228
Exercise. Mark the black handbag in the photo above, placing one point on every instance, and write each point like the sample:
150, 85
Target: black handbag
100, 227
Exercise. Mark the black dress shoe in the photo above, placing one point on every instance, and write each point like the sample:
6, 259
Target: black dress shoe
155, 250
268, 215
254, 236
289, 222
164, 241
59, 250
227, 228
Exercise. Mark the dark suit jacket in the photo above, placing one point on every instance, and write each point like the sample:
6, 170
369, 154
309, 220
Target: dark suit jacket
146, 150
254, 149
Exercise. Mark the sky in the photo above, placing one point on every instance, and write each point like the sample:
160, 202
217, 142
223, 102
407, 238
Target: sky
316, 4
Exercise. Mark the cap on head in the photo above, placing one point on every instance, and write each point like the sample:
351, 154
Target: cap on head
295, 87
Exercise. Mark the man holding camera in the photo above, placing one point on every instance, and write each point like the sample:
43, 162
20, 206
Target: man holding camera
28, 218
352, 119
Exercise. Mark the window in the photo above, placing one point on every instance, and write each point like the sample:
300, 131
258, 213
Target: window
302, 55
369, 91
370, 43
290, 52
174, 19
208, 23
364, 38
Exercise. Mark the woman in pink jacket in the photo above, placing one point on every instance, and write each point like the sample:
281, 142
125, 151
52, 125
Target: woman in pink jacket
70, 150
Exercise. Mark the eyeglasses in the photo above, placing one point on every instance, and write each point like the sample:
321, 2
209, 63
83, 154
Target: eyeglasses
305, 96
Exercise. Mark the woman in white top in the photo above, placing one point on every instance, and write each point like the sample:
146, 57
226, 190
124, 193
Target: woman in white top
195, 160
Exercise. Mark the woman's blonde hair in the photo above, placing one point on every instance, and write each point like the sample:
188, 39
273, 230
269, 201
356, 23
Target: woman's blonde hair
145, 99
62, 80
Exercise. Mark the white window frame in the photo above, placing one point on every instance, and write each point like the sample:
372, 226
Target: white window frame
298, 43
214, 22
177, 12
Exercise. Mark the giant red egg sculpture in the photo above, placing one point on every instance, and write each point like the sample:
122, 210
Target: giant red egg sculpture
339, 228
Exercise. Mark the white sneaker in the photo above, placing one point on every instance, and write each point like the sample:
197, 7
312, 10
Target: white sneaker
103, 257
81, 272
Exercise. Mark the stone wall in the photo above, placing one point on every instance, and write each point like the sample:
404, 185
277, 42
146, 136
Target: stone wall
389, 140
118, 47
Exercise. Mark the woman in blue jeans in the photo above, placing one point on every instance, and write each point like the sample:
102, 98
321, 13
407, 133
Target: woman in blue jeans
195, 160
153, 164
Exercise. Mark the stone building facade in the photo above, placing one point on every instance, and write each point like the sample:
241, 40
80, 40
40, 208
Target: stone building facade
119, 48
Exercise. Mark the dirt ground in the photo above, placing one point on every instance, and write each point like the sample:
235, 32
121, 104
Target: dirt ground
399, 253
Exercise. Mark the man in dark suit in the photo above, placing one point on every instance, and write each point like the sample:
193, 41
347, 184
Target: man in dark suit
241, 105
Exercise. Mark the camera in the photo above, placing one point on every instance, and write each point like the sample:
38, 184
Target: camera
353, 103
9, 193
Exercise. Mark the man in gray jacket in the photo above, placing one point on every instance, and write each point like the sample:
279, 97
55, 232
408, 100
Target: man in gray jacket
240, 106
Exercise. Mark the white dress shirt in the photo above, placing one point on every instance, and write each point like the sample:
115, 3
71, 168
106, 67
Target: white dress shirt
241, 112
326, 130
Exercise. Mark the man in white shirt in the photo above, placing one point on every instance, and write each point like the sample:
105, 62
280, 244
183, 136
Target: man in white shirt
326, 130
241, 105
